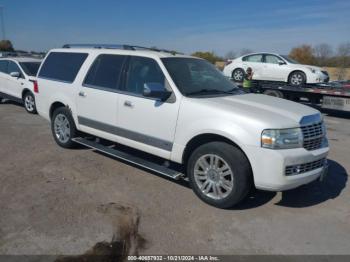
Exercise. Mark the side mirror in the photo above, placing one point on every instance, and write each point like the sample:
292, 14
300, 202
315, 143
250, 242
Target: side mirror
15, 74
156, 90
280, 62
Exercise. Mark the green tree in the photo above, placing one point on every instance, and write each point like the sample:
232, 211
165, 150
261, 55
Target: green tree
6, 45
210, 56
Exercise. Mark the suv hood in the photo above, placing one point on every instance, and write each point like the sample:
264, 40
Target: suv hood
266, 111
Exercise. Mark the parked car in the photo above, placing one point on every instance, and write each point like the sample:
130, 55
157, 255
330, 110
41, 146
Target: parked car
18, 81
274, 67
182, 109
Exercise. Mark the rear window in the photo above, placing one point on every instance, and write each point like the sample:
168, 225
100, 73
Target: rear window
105, 71
62, 66
3, 66
30, 68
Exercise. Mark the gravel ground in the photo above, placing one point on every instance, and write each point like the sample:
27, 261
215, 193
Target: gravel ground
57, 201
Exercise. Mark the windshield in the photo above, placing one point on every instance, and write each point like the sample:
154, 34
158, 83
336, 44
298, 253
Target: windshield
198, 77
290, 60
30, 68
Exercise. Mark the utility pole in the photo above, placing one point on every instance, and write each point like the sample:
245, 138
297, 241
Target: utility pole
2, 22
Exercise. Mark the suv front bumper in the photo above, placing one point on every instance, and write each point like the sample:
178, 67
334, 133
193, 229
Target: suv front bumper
270, 167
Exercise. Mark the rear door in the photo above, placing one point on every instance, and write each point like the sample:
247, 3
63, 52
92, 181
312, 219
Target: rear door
3, 76
14, 84
145, 123
256, 63
97, 97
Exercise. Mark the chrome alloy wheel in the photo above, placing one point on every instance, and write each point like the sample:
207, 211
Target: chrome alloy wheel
297, 79
238, 75
213, 176
29, 103
62, 128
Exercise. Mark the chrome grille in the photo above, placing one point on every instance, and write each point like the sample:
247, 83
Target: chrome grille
313, 136
303, 168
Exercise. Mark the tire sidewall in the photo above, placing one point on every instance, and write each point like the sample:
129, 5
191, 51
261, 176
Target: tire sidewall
236, 70
24, 101
73, 131
239, 165
297, 72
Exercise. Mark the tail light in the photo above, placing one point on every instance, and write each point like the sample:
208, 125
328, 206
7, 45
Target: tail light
228, 62
36, 86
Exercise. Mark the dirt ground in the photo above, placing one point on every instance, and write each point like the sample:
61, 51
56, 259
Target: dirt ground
65, 202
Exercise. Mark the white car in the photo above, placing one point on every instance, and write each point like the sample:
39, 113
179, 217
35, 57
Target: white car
183, 110
274, 67
17, 80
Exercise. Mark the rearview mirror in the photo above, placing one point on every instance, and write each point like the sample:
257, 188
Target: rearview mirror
156, 90
280, 62
15, 74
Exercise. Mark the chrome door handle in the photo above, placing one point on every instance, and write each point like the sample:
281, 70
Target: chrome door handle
128, 104
82, 94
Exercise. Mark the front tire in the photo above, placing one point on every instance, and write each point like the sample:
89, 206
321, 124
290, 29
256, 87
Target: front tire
297, 78
220, 174
29, 103
238, 75
63, 127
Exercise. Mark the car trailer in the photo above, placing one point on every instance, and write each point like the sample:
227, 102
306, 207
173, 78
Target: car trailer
332, 95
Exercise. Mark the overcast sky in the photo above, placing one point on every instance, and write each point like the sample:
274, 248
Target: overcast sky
183, 25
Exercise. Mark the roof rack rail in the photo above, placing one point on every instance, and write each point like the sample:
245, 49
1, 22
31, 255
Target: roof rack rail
112, 46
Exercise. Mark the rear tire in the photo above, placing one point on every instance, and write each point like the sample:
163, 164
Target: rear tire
238, 75
29, 103
297, 78
274, 93
63, 127
220, 174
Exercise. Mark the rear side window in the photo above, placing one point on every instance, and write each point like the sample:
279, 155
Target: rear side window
13, 67
252, 58
62, 66
3, 66
105, 71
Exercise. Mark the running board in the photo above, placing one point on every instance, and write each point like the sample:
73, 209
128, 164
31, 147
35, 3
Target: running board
163, 170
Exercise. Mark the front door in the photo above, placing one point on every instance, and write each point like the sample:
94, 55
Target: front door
145, 123
273, 70
14, 85
97, 97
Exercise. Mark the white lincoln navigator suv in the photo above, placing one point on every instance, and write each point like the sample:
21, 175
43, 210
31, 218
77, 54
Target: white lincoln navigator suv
183, 110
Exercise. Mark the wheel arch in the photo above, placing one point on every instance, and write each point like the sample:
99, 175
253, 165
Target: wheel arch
204, 138
54, 106
24, 91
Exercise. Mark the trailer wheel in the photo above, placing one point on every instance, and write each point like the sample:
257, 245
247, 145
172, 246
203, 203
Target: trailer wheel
274, 93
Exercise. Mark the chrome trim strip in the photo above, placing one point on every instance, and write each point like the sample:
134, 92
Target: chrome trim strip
132, 135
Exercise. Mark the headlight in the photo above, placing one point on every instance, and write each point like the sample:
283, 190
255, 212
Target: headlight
282, 138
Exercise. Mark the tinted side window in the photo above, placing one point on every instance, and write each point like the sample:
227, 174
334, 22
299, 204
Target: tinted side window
3, 66
253, 58
105, 71
143, 70
62, 66
13, 67
271, 59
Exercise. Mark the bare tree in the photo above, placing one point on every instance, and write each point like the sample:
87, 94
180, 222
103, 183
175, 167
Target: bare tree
230, 55
322, 53
245, 51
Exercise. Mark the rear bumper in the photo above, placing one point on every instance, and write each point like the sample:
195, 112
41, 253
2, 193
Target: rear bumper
269, 167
